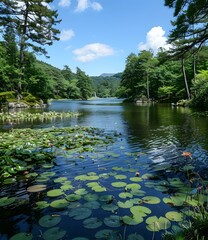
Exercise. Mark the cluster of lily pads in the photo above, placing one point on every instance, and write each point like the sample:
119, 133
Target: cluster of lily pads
104, 192
27, 116
22, 149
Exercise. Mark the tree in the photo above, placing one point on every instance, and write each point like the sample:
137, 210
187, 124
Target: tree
190, 26
84, 83
34, 22
200, 90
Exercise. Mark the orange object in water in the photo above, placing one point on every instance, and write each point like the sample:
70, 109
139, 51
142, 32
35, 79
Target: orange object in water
187, 154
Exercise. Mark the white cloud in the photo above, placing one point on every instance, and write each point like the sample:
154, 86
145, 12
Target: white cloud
155, 39
96, 6
92, 51
64, 3
82, 5
66, 34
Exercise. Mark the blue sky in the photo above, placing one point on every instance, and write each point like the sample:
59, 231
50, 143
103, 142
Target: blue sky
98, 35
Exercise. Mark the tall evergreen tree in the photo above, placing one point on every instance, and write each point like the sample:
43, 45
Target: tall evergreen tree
84, 83
34, 21
190, 24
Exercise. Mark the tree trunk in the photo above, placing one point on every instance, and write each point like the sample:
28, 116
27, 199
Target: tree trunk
185, 79
22, 45
148, 96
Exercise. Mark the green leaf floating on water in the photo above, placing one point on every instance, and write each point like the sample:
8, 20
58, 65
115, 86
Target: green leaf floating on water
92, 205
91, 197
106, 198
112, 221
151, 199
5, 201
73, 197
60, 203
55, 193
135, 236
109, 207
60, 180
80, 213
174, 216
118, 184
120, 177
140, 211
133, 186
36, 188
80, 238
125, 195
134, 220
49, 221
54, 233
156, 224
9, 180
81, 191
127, 204
104, 234
41, 205
22, 236
136, 179
92, 223
99, 188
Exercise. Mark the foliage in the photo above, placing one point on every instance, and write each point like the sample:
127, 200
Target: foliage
200, 90
190, 25
106, 86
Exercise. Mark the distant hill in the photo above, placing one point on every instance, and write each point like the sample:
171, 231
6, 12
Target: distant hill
107, 74
106, 84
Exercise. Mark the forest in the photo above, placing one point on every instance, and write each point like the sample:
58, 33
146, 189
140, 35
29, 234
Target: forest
179, 73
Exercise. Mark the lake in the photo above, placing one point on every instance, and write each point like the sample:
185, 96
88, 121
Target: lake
143, 174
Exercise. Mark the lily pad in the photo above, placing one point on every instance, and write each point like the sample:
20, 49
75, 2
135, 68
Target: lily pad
120, 177
156, 224
92, 205
118, 184
37, 188
80, 238
99, 188
140, 211
48, 165
106, 198
73, 197
135, 236
104, 234
22, 236
55, 193
60, 203
41, 205
80, 213
92, 223
109, 207
132, 220
91, 197
136, 179
151, 200
112, 221
49, 221
138, 192
125, 195
127, 204
60, 180
5, 201
133, 186
174, 216
54, 233
81, 191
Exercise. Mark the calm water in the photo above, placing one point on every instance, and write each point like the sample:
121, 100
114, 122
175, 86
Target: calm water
151, 137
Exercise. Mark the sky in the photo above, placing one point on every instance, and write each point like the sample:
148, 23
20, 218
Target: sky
98, 35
